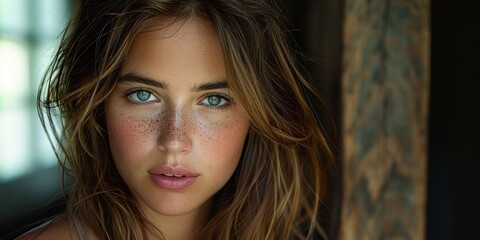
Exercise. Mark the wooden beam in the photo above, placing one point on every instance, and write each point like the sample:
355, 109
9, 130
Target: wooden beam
385, 92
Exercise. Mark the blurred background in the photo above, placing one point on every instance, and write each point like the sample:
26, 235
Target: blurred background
29, 179
29, 31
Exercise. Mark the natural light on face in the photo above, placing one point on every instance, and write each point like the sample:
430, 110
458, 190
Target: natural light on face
176, 130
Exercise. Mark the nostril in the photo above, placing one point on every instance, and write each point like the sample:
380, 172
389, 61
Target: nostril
174, 141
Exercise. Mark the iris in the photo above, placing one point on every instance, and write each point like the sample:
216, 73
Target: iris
143, 95
214, 100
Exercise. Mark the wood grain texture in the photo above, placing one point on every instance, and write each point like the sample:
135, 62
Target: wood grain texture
385, 92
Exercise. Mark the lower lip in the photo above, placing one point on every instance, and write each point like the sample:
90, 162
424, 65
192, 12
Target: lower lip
172, 183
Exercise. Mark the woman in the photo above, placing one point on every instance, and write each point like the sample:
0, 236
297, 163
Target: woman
183, 120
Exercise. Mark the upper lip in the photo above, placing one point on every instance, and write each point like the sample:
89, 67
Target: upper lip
166, 169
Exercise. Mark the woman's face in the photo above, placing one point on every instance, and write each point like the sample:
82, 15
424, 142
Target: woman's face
176, 132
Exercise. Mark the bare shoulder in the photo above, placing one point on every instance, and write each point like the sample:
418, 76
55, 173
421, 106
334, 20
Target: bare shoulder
59, 228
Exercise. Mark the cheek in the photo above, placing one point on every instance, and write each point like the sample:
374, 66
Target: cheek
223, 141
129, 137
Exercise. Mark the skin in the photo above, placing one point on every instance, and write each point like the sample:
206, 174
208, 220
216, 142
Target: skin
177, 121
169, 110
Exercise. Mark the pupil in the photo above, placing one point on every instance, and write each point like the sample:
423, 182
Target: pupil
143, 95
214, 100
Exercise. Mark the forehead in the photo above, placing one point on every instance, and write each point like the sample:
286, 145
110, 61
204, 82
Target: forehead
195, 32
176, 49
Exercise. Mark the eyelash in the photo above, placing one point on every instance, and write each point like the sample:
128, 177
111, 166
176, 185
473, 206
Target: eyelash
227, 99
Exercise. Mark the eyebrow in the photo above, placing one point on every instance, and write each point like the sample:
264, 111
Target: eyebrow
211, 86
136, 78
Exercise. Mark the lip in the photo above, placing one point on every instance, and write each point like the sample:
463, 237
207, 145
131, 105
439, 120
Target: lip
170, 182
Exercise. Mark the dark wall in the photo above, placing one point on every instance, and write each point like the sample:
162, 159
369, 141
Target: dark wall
454, 164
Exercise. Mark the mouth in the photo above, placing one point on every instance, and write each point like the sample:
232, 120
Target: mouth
173, 181
173, 172
173, 178
173, 175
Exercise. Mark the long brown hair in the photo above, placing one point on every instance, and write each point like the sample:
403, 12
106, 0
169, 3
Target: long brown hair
276, 191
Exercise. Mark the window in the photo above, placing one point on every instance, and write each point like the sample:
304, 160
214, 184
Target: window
29, 34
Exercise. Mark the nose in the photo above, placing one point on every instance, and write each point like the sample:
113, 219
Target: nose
176, 131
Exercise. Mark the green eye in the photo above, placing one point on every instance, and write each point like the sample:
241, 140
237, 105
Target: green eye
216, 101
142, 96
